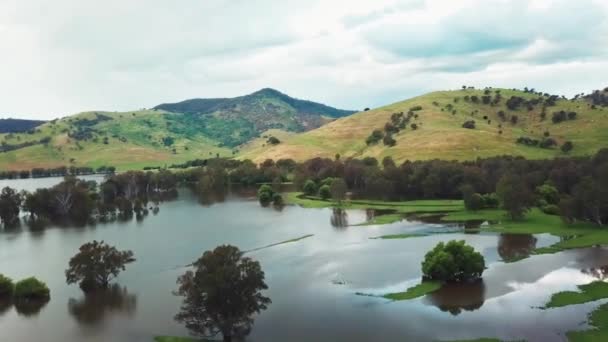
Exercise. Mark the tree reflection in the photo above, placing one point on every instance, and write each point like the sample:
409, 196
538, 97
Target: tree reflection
455, 297
600, 273
93, 307
339, 218
513, 247
5, 305
29, 307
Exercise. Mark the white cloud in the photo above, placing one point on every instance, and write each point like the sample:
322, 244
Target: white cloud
66, 56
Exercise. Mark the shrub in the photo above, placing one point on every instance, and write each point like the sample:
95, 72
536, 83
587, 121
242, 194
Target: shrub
389, 140
324, 192
550, 209
490, 200
6, 286
265, 194
277, 199
31, 288
453, 262
470, 124
567, 146
310, 188
273, 141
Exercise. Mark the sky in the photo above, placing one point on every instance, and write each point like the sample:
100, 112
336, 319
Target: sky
61, 57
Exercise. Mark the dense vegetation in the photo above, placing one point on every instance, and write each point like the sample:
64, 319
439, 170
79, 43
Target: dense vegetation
18, 125
452, 262
234, 121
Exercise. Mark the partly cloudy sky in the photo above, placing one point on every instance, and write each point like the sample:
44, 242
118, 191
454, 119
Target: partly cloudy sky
64, 56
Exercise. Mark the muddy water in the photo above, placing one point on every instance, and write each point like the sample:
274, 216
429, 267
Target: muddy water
312, 282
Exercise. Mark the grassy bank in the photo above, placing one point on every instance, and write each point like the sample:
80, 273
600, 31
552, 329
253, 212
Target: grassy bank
598, 319
419, 290
588, 293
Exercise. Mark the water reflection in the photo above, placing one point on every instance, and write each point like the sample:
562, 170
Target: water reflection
454, 298
600, 273
94, 307
5, 305
339, 218
29, 308
512, 247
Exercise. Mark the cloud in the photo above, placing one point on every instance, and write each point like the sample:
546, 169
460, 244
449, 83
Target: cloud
66, 56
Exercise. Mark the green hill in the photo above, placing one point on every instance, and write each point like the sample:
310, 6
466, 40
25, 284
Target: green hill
502, 117
234, 121
195, 129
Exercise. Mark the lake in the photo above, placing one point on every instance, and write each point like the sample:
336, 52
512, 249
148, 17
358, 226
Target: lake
313, 282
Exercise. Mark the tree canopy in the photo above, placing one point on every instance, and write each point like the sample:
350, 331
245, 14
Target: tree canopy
453, 262
96, 264
221, 294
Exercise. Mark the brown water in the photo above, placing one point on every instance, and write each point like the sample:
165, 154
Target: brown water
312, 282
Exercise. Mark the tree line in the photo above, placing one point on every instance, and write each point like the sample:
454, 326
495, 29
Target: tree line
61, 171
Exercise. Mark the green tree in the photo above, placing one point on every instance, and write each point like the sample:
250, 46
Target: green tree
514, 195
453, 262
472, 200
10, 202
310, 188
96, 264
31, 289
221, 294
325, 192
338, 189
6, 287
265, 194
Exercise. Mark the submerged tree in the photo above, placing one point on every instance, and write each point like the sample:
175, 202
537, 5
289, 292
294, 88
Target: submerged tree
453, 262
10, 202
96, 264
222, 293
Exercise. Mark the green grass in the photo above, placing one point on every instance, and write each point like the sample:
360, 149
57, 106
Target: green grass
588, 293
419, 290
598, 319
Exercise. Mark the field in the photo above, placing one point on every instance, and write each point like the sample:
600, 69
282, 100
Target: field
440, 133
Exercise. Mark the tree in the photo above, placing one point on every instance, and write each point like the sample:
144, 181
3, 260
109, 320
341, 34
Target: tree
10, 202
324, 192
453, 262
273, 140
472, 200
514, 195
338, 189
310, 187
96, 264
567, 147
6, 287
221, 294
265, 193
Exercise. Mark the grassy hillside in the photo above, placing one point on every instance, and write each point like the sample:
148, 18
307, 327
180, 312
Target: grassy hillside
440, 134
126, 140
234, 121
18, 125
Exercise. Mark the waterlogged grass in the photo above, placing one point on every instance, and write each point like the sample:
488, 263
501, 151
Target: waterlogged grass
282, 242
588, 293
419, 290
598, 319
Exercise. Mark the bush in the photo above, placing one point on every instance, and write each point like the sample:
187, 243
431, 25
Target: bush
325, 192
453, 262
490, 200
310, 188
567, 147
277, 199
6, 286
470, 124
31, 288
550, 209
265, 194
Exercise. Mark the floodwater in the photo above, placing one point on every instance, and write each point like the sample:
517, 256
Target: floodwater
312, 282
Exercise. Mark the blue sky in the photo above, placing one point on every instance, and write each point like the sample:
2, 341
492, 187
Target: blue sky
64, 56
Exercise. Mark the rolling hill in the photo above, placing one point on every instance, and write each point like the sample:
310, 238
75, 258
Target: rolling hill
194, 129
501, 118
234, 121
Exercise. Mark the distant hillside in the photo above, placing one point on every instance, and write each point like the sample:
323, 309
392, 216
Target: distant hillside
234, 121
598, 97
157, 137
461, 124
18, 125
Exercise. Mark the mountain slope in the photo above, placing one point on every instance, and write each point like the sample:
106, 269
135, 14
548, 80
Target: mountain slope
18, 125
440, 132
234, 121
136, 139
